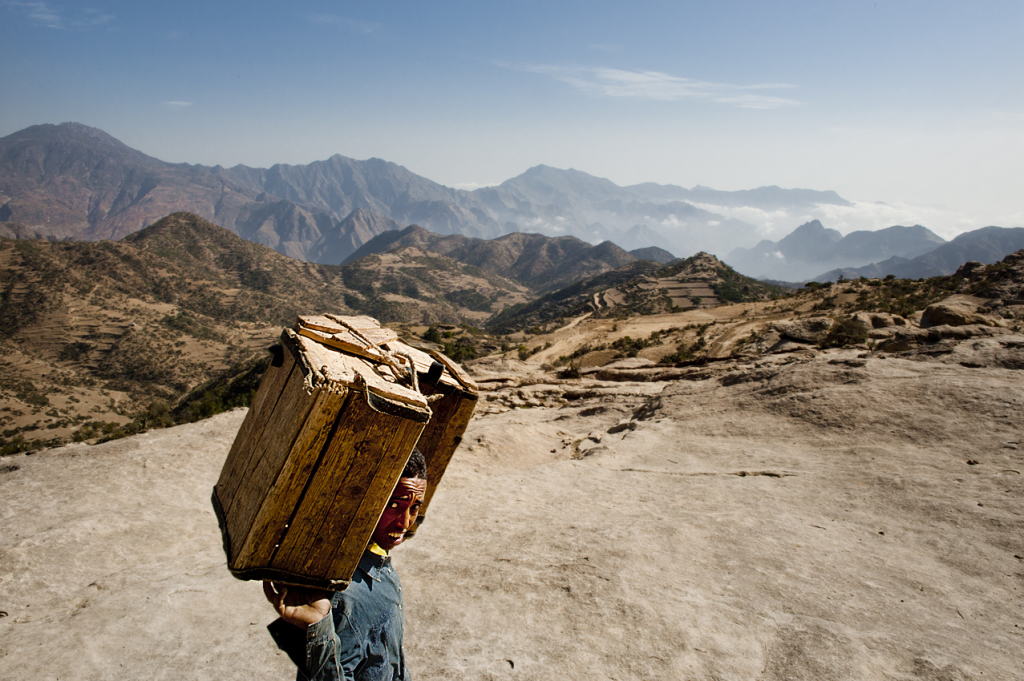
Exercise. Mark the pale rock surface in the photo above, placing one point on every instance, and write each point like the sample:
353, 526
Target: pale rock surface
809, 330
958, 311
838, 516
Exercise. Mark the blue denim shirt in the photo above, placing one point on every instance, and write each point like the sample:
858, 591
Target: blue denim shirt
361, 638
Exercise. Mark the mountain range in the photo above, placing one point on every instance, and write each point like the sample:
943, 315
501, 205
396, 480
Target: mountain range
540, 262
812, 248
70, 181
986, 245
73, 182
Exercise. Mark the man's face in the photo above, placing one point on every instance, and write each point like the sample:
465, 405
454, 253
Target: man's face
400, 513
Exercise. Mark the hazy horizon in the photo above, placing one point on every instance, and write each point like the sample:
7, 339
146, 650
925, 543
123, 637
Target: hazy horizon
913, 111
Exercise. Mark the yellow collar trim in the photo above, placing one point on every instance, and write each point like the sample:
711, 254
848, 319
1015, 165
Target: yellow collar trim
373, 548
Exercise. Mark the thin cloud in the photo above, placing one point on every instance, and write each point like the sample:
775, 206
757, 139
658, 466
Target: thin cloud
42, 14
344, 22
859, 215
39, 12
93, 17
175, 104
653, 85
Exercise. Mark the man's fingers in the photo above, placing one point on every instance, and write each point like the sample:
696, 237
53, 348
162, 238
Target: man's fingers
275, 594
268, 591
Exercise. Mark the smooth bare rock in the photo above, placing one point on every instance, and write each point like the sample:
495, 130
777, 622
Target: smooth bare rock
947, 331
787, 345
111, 565
958, 311
1004, 351
879, 325
903, 339
837, 516
810, 330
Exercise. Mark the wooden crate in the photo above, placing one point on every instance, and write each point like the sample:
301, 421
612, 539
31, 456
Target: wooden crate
452, 394
316, 458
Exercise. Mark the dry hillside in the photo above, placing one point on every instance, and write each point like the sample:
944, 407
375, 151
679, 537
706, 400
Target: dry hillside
94, 335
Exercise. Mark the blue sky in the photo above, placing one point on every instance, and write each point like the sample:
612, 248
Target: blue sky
916, 104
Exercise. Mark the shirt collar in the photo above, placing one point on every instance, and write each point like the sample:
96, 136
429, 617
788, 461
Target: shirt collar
372, 563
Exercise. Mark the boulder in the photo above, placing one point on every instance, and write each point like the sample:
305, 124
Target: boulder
970, 266
881, 320
876, 325
903, 339
956, 313
810, 330
950, 332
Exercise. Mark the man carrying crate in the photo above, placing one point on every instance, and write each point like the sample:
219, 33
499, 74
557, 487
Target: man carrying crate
357, 633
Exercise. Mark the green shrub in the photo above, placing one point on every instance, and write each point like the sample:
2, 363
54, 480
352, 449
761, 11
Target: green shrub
573, 370
846, 331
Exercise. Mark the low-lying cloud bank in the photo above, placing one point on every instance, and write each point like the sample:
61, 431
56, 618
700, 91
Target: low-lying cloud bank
864, 215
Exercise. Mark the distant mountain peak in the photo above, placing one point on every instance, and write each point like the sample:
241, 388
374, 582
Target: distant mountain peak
813, 230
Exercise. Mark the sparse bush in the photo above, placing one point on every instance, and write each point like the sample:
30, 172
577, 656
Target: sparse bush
461, 350
846, 331
630, 347
572, 371
74, 351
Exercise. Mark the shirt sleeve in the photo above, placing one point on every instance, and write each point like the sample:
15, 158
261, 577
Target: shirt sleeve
330, 657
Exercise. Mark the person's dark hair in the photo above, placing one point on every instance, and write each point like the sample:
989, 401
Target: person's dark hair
417, 465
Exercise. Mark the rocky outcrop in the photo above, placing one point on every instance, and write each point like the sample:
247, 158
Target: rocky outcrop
810, 330
957, 311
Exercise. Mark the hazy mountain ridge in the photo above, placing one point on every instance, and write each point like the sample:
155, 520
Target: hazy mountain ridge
73, 181
92, 186
768, 198
811, 246
986, 245
556, 202
539, 262
658, 255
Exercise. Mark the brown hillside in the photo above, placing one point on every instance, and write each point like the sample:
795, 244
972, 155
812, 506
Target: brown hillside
96, 332
539, 262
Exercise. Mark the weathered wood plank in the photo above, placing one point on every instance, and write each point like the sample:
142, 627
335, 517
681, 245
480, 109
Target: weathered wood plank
344, 369
242, 450
352, 469
442, 436
423, 362
275, 514
369, 327
456, 371
345, 342
378, 492
268, 458
309, 514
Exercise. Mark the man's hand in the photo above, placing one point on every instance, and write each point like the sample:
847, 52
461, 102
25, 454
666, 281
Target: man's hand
296, 605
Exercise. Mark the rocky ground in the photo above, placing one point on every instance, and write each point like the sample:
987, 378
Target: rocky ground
790, 513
